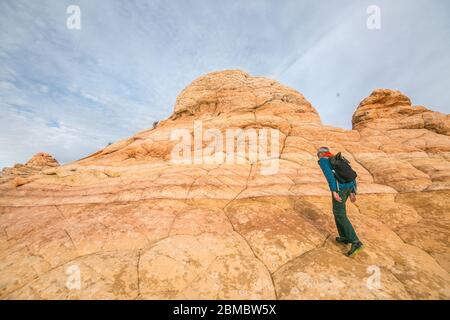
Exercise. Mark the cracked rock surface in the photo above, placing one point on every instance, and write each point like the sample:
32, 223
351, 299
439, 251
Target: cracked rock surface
128, 223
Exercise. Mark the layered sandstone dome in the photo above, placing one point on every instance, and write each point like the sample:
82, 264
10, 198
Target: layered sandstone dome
137, 225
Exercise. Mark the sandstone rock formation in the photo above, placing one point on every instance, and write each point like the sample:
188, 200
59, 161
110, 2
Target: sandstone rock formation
131, 224
21, 174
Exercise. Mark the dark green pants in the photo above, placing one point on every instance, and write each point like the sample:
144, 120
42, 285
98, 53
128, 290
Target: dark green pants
343, 224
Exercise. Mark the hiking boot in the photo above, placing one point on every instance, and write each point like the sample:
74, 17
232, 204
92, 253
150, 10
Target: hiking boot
342, 240
356, 247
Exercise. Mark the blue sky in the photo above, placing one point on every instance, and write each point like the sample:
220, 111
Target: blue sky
70, 92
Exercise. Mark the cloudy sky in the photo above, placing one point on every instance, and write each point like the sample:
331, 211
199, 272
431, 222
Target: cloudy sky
70, 92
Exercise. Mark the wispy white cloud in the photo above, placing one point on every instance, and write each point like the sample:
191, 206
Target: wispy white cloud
70, 92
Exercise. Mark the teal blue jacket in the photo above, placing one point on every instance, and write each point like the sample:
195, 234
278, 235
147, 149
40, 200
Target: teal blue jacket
333, 184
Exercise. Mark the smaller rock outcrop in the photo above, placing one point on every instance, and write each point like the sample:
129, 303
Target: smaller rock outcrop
390, 109
21, 174
42, 160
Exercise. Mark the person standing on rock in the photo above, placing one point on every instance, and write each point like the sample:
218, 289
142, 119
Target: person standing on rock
341, 188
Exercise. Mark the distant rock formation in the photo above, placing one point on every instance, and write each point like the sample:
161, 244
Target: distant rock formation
42, 160
21, 174
387, 110
134, 225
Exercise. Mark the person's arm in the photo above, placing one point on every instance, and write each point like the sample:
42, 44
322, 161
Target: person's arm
328, 173
353, 194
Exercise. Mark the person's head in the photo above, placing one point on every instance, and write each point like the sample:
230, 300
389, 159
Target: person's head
322, 151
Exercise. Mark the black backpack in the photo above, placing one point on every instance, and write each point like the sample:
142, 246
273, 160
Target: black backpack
342, 169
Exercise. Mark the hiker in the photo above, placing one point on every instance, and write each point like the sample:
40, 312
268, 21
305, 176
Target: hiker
342, 183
